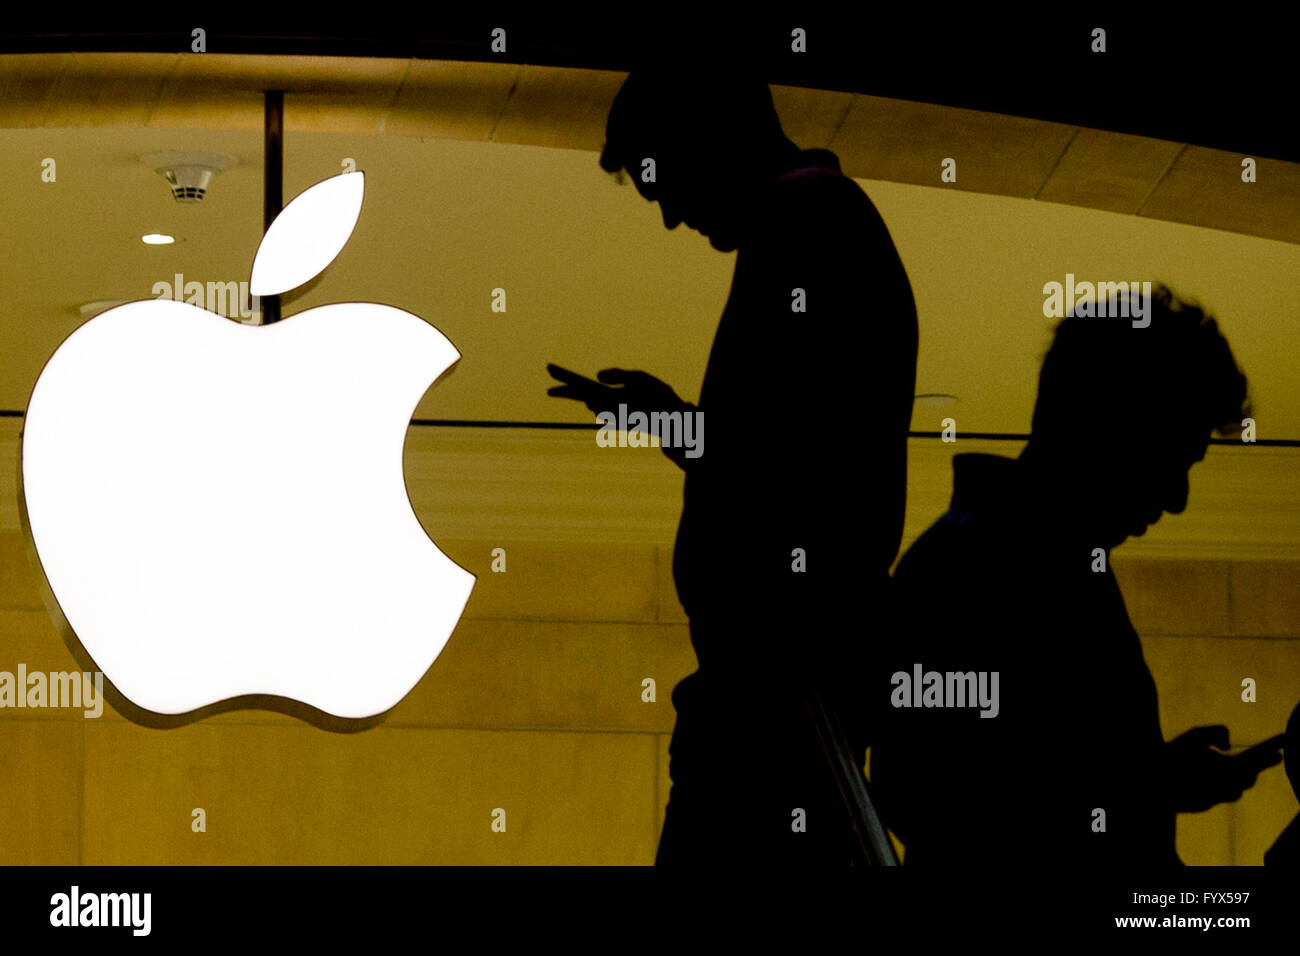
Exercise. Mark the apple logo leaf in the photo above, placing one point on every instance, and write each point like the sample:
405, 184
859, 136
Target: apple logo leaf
307, 234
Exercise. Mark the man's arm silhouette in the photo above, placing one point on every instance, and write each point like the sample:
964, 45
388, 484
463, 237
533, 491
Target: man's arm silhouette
1201, 776
640, 391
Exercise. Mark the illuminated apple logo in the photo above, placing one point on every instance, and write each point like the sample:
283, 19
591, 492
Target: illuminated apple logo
219, 510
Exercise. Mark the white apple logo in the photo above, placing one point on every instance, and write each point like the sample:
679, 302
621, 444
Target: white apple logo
220, 511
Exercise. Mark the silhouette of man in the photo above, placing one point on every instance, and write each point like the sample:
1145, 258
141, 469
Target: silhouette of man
1069, 764
793, 514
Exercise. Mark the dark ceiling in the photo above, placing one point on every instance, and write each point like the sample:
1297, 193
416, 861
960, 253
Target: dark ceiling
1224, 81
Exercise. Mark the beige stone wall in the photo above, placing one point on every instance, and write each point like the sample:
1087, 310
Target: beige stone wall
535, 707
1205, 626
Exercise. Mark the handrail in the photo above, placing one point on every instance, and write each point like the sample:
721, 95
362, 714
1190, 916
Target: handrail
873, 843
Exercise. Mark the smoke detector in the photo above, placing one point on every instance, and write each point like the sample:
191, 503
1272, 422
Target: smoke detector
189, 173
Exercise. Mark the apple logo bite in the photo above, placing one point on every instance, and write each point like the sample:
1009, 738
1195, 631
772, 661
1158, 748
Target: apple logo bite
219, 510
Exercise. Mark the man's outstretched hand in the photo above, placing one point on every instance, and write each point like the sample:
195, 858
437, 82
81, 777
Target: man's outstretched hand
1200, 775
639, 391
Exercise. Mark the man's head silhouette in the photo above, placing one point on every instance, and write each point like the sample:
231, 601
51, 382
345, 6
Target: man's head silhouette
1124, 412
713, 136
